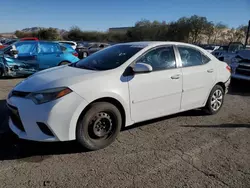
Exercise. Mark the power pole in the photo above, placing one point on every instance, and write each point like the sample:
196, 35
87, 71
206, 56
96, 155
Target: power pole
248, 30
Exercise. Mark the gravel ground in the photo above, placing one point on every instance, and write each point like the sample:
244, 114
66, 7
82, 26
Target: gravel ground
185, 150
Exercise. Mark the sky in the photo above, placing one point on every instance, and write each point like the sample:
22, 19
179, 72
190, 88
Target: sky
103, 14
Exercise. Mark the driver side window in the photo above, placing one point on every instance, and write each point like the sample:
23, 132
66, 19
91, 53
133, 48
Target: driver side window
160, 59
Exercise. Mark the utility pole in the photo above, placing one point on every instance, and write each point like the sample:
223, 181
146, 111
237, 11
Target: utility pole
248, 30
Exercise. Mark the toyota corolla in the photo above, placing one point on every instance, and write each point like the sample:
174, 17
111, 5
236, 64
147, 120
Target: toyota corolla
116, 87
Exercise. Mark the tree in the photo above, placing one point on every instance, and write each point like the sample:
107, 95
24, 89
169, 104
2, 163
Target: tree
48, 34
198, 25
219, 30
209, 31
75, 33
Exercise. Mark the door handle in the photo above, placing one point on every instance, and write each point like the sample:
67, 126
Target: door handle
177, 76
210, 70
58, 55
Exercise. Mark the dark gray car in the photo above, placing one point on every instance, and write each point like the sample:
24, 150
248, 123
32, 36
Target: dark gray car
85, 49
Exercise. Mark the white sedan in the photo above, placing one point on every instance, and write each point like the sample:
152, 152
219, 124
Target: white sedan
116, 87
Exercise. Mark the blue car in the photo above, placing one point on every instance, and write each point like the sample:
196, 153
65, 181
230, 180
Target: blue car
34, 56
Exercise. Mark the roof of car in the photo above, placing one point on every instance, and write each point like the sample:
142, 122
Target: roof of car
152, 43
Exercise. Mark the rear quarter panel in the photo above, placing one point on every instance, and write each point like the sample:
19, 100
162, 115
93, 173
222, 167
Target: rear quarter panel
69, 57
222, 73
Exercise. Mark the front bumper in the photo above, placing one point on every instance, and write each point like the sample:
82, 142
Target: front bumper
15, 72
60, 117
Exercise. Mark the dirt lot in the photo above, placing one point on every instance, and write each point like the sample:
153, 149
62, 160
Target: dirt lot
185, 150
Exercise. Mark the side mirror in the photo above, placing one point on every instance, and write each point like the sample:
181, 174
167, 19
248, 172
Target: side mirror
142, 68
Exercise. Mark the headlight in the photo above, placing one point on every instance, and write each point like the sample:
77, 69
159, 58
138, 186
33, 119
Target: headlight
49, 95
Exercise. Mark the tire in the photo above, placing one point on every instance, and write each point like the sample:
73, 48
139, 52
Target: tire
99, 126
64, 63
216, 97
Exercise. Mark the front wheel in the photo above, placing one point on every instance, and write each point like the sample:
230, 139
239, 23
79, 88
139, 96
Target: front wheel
99, 126
215, 100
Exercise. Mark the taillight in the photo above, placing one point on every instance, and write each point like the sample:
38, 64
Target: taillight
75, 54
228, 68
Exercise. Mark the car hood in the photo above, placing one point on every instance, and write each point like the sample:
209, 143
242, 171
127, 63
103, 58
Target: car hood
62, 76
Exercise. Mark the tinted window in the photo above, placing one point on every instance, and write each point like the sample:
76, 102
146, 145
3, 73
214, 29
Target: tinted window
48, 48
26, 48
190, 57
160, 58
109, 58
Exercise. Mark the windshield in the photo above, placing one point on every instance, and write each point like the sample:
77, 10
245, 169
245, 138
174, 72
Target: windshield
109, 58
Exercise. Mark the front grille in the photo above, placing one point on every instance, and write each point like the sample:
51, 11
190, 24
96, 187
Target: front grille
21, 94
15, 118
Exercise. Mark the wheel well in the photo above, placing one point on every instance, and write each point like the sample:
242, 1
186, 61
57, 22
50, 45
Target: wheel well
63, 61
222, 85
109, 100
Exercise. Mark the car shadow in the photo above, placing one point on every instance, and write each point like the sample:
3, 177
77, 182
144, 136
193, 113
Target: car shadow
239, 87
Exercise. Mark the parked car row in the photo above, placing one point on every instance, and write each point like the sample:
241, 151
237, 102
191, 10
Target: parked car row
27, 57
36, 55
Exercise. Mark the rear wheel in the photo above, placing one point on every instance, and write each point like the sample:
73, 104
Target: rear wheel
215, 100
99, 126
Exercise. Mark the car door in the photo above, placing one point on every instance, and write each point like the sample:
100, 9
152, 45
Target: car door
199, 76
157, 93
49, 55
27, 54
